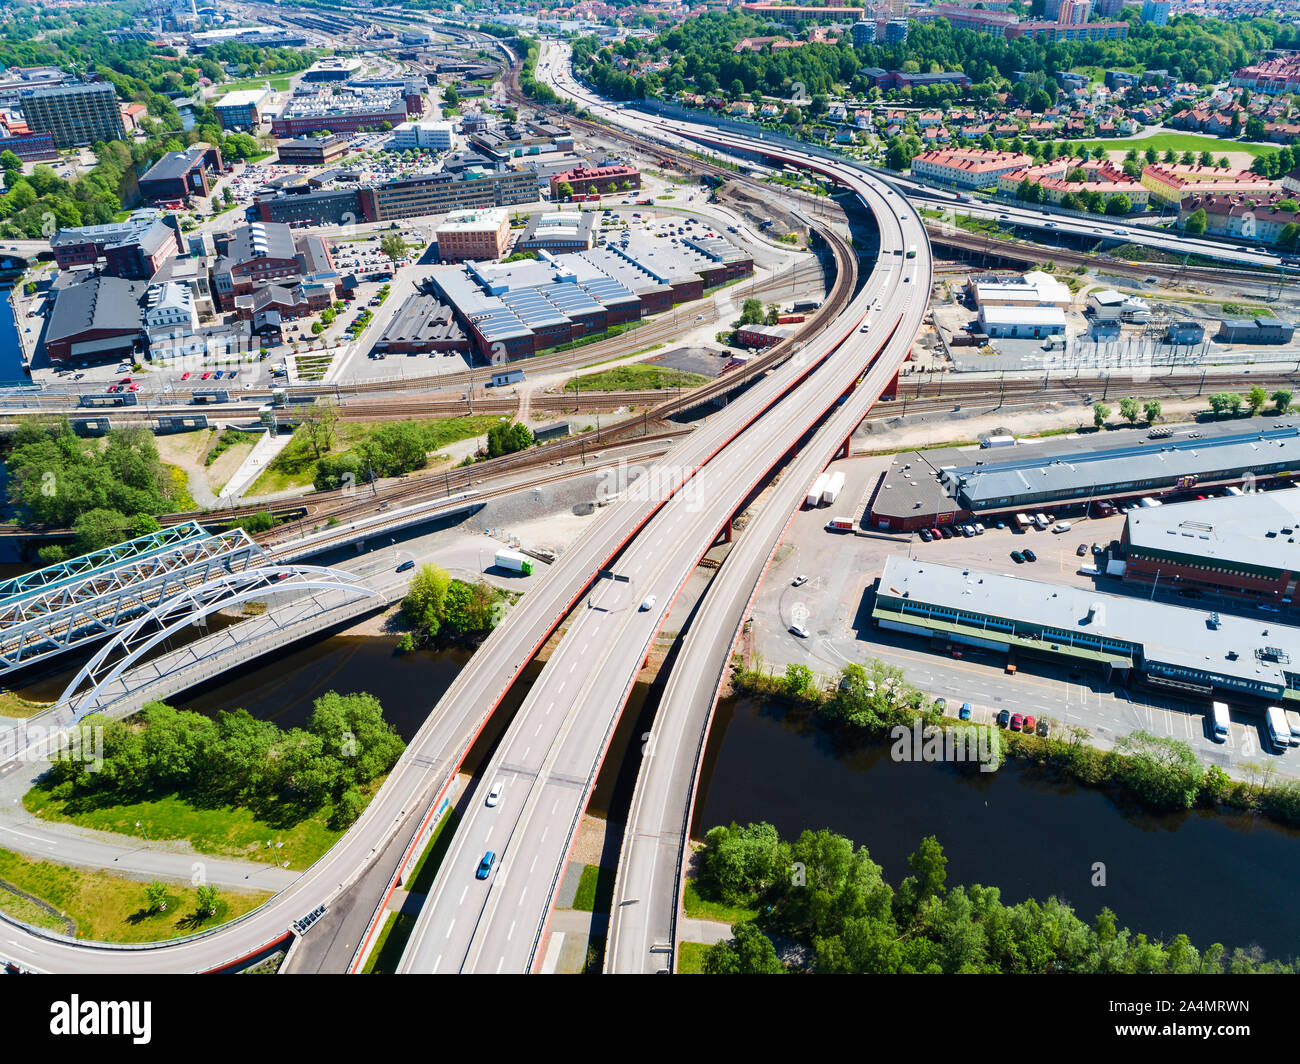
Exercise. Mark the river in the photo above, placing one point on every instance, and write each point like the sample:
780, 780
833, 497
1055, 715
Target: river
1218, 877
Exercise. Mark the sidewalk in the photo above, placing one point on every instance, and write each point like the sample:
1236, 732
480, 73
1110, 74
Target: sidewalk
126, 855
262, 454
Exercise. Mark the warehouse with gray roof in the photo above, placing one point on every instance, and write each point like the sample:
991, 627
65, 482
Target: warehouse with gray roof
1192, 650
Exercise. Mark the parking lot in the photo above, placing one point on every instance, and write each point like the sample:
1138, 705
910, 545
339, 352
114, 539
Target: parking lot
834, 604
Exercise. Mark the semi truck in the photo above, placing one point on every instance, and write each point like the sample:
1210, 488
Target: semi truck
814, 496
1279, 731
833, 487
515, 562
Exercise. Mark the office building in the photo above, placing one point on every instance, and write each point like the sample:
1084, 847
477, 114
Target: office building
1156, 12
430, 134
477, 235
75, 115
178, 175
312, 151
242, 109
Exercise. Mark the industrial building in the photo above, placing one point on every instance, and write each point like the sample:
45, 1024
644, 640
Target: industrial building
558, 231
332, 69
1241, 546
442, 192
1033, 289
75, 115
420, 326
1021, 322
242, 109
95, 319
178, 175
1189, 650
135, 248
481, 234
517, 309
372, 109
1254, 331
922, 489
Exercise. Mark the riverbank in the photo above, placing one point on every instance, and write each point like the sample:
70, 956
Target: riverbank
1157, 773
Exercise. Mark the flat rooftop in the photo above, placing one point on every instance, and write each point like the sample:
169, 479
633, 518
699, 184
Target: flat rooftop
1084, 465
1259, 529
1244, 652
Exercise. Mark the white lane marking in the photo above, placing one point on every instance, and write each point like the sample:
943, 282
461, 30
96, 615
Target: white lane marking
462, 895
450, 926
510, 933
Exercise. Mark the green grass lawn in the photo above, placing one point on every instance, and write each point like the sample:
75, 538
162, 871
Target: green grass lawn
227, 831
387, 953
421, 879
111, 908
278, 84
635, 379
295, 466
699, 908
595, 890
12, 705
1179, 142
690, 958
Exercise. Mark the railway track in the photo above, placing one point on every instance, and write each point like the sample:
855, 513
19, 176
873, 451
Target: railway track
948, 391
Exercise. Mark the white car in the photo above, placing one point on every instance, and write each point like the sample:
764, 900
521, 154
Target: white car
799, 581
1061, 526
648, 604
494, 795
799, 630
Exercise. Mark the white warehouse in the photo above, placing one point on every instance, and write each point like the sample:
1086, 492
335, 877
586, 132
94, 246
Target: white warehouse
1021, 322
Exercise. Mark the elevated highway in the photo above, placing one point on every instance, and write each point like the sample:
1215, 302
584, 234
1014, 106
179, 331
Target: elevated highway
549, 757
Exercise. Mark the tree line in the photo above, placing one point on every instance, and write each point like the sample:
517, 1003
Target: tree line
825, 893
283, 775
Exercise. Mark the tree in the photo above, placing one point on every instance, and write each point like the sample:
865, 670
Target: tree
1151, 411
318, 425
507, 438
1206, 158
1100, 412
1119, 204
1255, 399
1196, 221
1164, 771
450, 98
393, 245
747, 952
422, 607
207, 898
1282, 400
751, 312
798, 681
156, 895
1129, 409
564, 190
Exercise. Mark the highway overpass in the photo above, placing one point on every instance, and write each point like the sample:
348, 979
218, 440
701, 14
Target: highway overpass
548, 759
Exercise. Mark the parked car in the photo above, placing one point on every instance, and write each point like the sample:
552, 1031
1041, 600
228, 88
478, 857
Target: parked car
185, 376
945, 531
1030, 556
940, 704
1028, 726
408, 564
1017, 722
964, 712
1082, 550
925, 535
1098, 550
1017, 557
1042, 728
1004, 718
1061, 526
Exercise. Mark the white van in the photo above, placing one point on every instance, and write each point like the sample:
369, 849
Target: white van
1279, 731
1218, 722
1041, 521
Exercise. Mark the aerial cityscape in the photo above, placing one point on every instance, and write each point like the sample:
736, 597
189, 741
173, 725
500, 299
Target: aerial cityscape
648, 487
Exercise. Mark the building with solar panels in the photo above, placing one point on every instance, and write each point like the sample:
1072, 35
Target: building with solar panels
517, 309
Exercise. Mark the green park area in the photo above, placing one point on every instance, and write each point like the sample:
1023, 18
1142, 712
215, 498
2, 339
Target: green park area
97, 905
638, 378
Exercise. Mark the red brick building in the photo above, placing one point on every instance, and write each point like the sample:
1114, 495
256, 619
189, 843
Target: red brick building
599, 179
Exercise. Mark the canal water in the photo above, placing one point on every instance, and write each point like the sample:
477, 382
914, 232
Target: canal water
1218, 877
11, 352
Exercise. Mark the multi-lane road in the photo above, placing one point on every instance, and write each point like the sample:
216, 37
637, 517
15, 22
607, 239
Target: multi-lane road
546, 763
